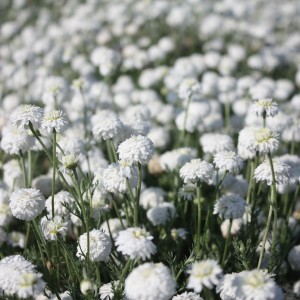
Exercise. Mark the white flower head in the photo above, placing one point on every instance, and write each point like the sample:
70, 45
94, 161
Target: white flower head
27, 204
137, 149
197, 170
265, 106
100, 245
106, 125
205, 273
188, 88
188, 192
150, 281
230, 207
216, 142
62, 201
107, 290
55, 120
294, 258
187, 296
25, 114
228, 161
136, 243
161, 214
51, 228
69, 162
266, 140
264, 172
14, 139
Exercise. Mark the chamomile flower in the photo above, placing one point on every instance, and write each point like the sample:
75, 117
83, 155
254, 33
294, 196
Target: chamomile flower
197, 170
25, 114
107, 290
26, 204
69, 162
15, 140
265, 106
51, 228
264, 172
187, 296
205, 273
161, 214
188, 88
100, 245
187, 192
150, 281
30, 284
136, 243
55, 120
106, 125
266, 140
137, 149
294, 258
216, 142
228, 161
63, 202
230, 207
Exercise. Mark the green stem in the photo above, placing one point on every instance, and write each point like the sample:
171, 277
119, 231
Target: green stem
54, 171
137, 200
29, 167
113, 150
199, 214
185, 119
274, 206
22, 161
227, 117
226, 243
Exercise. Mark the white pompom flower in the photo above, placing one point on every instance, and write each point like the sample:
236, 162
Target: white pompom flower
55, 120
187, 296
230, 207
26, 204
161, 214
228, 161
106, 125
136, 243
136, 149
265, 106
266, 140
150, 281
197, 170
100, 245
205, 273
25, 114
264, 172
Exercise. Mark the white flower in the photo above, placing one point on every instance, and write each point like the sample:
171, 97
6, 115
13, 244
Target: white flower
177, 233
26, 113
230, 207
51, 228
236, 226
151, 197
187, 296
106, 125
114, 181
62, 201
171, 160
26, 204
55, 120
258, 285
30, 284
265, 140
296, 288
246, 140
187, 192
106, 290
265, 106
294, 258
216, 142
13, 140
188, 88
100, 245
136, 243
69, 162
137, 149
204, 273
16, 274
16, 239
87, 286
264, 173
197, 170
161, 214
228, 161
150, 281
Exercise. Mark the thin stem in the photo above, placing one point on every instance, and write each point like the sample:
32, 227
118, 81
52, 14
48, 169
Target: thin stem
137, 200
54, 171
226, 243
274, 206
185, 118
29, 167
227, 117
22, 161
113, 150
199, 214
